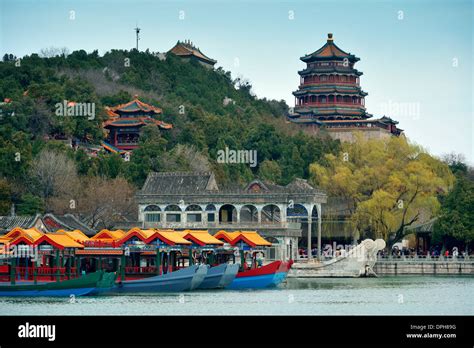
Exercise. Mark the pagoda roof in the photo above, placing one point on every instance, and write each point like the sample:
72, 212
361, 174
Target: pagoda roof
111, 148
187, 49
329, 51
132, 107
328, 70
336, 111
136, 122
329, 89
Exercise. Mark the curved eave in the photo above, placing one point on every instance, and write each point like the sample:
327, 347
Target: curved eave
319, 71
312, 58
301, 92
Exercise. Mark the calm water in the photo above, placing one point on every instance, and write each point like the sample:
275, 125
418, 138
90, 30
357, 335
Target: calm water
386, 295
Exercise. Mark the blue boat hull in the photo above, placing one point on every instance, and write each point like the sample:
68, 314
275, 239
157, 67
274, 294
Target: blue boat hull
229, 275
49, 293
213, 277
257, 282
177, 281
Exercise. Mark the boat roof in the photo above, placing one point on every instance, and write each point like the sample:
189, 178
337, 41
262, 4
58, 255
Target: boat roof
251, 238
76, 235
111, 235
201, 237
169, 237
32, 234
226, 236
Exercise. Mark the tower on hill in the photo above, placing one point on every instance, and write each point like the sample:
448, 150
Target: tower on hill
330, 97
187, 51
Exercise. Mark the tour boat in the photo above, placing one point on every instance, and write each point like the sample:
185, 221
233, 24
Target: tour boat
263, 277
219, 276
81, 286
181, 280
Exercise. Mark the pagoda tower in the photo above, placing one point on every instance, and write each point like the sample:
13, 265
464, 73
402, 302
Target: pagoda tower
125, 121
330, 94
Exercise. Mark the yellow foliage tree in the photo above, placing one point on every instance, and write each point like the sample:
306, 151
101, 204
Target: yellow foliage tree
388, 184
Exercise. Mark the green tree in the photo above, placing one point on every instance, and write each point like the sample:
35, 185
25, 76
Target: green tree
389, 183
456, 218
270, 171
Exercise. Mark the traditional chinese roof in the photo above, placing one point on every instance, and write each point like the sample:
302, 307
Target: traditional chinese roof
316, 89
324, 70
132, 107
136, 122
169, 237
187, 49
110, 235
329, 51
9, 222
112, 148
200, 237
228, 237
60, 241
176, 182
252, 238
76, 235
67, 222
31, 234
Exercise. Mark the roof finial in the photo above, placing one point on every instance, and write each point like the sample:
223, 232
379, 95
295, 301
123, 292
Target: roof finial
329, 37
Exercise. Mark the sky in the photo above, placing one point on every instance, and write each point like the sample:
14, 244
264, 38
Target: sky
416, 55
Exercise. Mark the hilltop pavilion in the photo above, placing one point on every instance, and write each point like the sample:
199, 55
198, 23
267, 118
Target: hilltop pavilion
125, 122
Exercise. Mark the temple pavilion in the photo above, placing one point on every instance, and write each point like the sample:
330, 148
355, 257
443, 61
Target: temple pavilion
330, 96
125, 122
187, 51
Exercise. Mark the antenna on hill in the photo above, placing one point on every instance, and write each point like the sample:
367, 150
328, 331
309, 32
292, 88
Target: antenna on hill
137, 30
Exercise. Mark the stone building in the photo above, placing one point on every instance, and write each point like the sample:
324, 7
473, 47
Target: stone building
195, 201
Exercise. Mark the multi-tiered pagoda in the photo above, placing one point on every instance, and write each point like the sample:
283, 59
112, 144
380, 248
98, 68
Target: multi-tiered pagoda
330, 96
125, 122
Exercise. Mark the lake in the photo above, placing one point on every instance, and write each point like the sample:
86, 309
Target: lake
400, 295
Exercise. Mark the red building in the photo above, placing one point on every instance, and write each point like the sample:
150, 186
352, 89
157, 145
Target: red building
330, 96
125, 122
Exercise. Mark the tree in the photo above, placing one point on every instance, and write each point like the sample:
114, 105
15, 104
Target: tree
29, 205
147, 158
456, 218
270, 171
53, 174
5, 197
389, 183
105, 202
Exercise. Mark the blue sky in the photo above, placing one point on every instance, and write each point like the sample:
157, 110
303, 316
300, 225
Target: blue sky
416, 55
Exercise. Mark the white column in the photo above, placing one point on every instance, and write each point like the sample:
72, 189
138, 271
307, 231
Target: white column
309, 208
282, 208
318, 208
237, 208
259, 213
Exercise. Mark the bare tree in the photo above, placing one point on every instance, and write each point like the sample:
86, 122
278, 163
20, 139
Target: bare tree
53, 174
105, 202
53, 52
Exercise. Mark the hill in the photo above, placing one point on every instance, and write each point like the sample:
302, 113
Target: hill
192, 99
